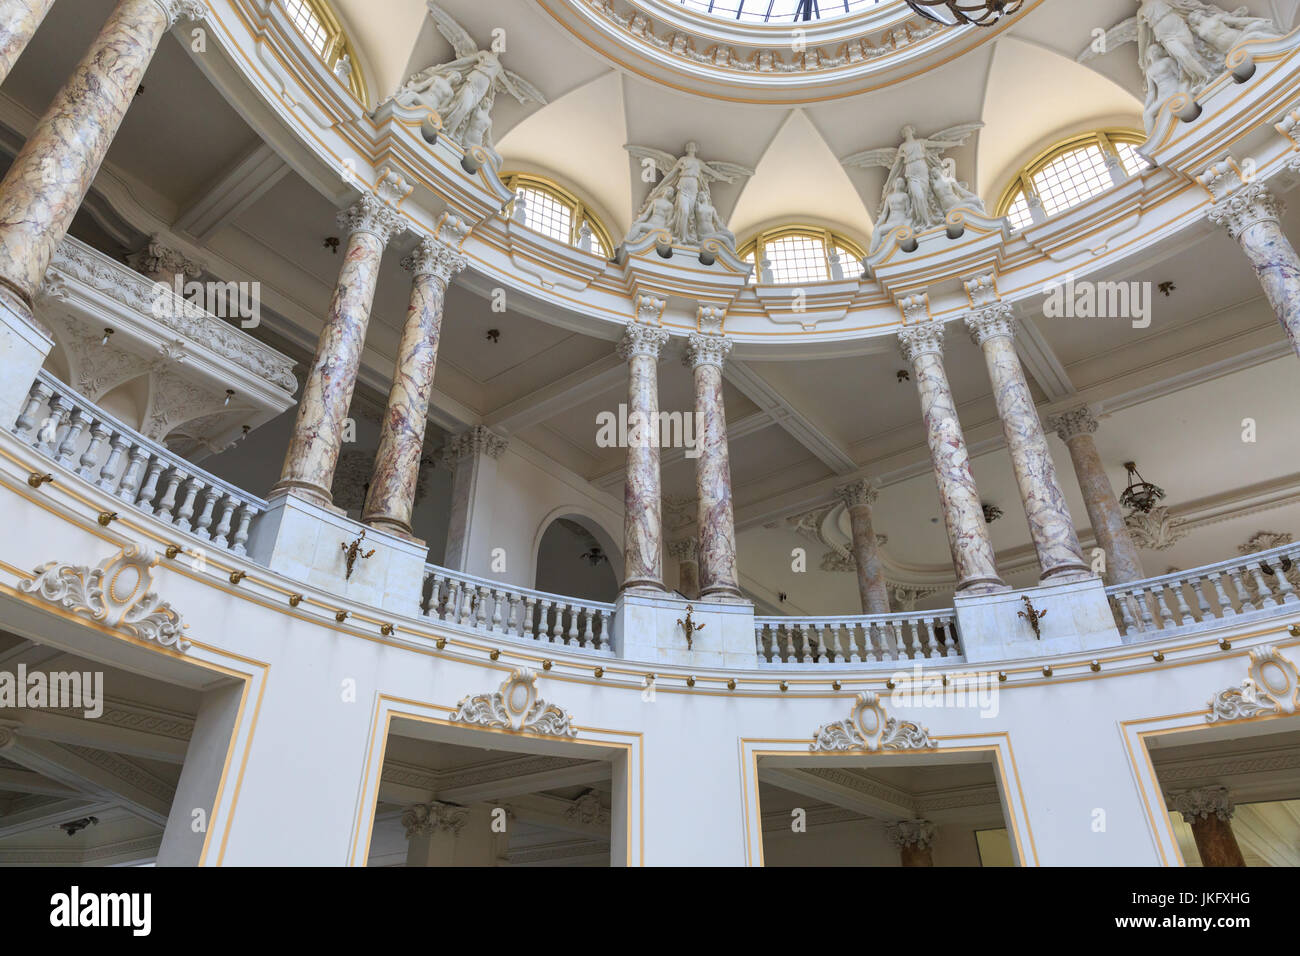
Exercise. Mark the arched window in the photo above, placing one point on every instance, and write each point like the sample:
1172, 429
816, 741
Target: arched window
554, 211
1070, 173
796, 254
322, 30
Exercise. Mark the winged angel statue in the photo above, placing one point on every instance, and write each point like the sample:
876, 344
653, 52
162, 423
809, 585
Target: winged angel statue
1182, 45
463, 91
919, 191
681, 203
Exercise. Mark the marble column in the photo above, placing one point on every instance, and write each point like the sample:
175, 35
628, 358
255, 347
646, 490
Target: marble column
1076, 428
686, 553
642, 491
716, 521
1208, 811
874, 591
49, 178
1252, 216
968, 535
18, 22
1060, 557
327, 392
915, 841
401, 441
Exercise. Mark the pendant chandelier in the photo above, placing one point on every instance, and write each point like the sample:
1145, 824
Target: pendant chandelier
981, 13
1140, 495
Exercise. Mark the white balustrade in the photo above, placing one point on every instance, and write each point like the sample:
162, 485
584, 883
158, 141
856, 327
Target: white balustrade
865, 639
82, 438
1203, 597
491, 607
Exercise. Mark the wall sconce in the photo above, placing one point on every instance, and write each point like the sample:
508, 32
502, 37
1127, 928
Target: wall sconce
1095, 666
598, 672
237, 576
172, 551
440, 643
106, 518
784, 686
35, 479
836, 685
295, 600
1047, 671
731, 684
107, 335
690, 681
230, 393
386, 630
1225, 644
546, 665
1158, 656
341, 616
495, 655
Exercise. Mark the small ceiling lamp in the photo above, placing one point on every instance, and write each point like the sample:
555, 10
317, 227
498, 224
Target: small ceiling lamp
1140, 495
980, 13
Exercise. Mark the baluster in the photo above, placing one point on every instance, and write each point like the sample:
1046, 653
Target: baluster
588, 634
192, 488
607, 629
758, 642
571, 636
805, 646
246, 515
529, 623
480, 608
1225, 604
928, 642
789, 656
90, 457
512, 600
54, 427
1144, 609
1120, 611
222, 535
468, 604
492, 623
174, 479
1204, 612
150, 490
1284, 587
544, 606
1262, 585
851, 635
37, 396
203, 526
1185, 615
453, 600
117, 445
1166, 619
433, 582
77, 421
871, 642
130, 483
837, 643
1243, 596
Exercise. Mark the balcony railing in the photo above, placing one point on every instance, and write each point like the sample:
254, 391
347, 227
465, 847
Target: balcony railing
491, 607
866, 639
78, 436
1203, 597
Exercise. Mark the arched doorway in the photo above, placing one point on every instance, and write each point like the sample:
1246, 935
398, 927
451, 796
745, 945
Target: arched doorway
577, 558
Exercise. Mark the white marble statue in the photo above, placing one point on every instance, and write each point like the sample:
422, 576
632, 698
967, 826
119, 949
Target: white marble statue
463, 91
1182, 44
688, 178
917, 175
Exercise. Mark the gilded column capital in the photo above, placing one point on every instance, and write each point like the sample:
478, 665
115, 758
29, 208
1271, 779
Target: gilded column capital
433, 257
916, 340
642, 340
991, 323
1073, 423
864, 491
1199, 804
706, 350
1245, 207
177, 10
912, 833
372, 215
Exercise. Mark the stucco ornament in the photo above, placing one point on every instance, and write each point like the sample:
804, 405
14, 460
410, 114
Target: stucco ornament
463, 91
116, 592
869, 728
516, 706
681, 203
1182, 45
1272, 687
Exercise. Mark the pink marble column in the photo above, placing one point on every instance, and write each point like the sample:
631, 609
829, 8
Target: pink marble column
968, 535
685, 551
716, 523
48, 180
1060, 557
642, 492
327, 392
18, 22
872, 587
1076, 428
1252, 215
401, 441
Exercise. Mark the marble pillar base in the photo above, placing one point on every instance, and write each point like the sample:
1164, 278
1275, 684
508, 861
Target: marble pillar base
300, 539
23, 347
646, 629
1078, 617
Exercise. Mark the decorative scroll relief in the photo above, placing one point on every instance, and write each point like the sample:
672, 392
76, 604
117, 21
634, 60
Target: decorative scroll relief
869, 728
516, 707
116, 592
428, 819
1272, 687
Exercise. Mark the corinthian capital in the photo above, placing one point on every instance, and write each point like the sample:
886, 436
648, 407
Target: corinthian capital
426, 819
706, 350
683, 549
176, 10
642, 340
915, 340
861, 492
1072, 424
433, 257
474, 441
906, 833
1199, 804
1244, 208
372, 215
990, 323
